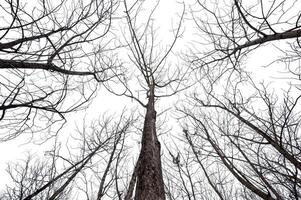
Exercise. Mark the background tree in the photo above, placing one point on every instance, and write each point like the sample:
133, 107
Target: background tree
90, 169
51, 60
242, 128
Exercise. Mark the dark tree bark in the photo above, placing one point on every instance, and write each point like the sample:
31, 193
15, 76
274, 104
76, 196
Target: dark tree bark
150, 185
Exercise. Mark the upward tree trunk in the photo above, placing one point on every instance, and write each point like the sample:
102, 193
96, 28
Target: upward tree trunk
150, 185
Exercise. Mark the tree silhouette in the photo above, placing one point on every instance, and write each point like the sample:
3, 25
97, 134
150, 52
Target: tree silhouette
48, 51
243, 130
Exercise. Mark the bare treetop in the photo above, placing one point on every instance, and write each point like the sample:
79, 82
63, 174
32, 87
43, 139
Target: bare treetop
48, 50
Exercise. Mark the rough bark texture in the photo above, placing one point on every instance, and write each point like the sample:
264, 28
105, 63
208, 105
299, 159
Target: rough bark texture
150, 185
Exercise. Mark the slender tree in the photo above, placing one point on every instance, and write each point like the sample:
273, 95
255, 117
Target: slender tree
100, 149
244, 131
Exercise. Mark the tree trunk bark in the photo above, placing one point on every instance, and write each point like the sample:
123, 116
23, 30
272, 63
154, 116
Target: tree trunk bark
150, 185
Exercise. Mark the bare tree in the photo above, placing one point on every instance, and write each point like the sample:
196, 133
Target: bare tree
63, 57
243, 132
100, 151
50, 51
240, 27
155, 80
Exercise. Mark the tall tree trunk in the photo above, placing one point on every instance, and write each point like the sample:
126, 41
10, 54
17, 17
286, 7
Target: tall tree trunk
150, 185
